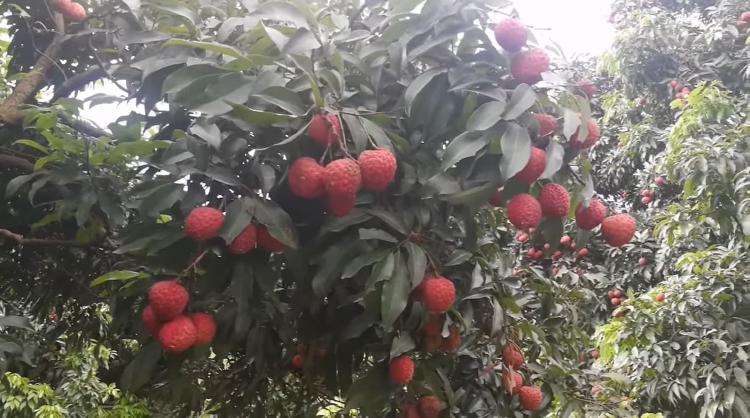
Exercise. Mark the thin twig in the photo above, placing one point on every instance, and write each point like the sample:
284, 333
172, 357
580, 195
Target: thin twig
21, 240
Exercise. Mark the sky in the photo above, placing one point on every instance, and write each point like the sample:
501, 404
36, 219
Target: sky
580, 27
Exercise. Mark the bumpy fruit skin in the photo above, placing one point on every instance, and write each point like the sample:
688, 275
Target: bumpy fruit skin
586, 87
512, 356
593, 135
204, 223
512, 381
298, 361
547, 124
588, 218
378, 169
511, 34
745, 17
168, 299
75, 13
534, 167
401, 370
595, 354
325, 129
524, 211
642, 261
661, 297
438, 294
659, 181
342, 205
59, 5
433, 326
429, 406
618, 230
531, 398
268, 242
411, 411
583, 252
306, 178
151, 321
555, 201
342, 177
205, 328
245, 241
177, 335
496, 200
615, 301
527, 67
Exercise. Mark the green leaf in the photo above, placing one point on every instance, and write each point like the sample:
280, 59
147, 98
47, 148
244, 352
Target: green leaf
259, 117
376, 234
15, 321
118, 276
466, 145
219, 48
377, 134
486, 116
555, 154
403, 343
522, 99
331, 264
395, 293
389, 218
278, 222
358, 133
239, 215
284, 98
516, 146
32, 144
282, 11
139, 371
369, 392
417, 263
416, 87
288, 140
12, 187
364, 260
161, 198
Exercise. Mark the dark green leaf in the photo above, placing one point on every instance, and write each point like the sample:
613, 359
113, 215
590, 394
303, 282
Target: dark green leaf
14, 321
239, 214
139, 371
395, 294
522, 99
403, 343
516, 145
555, 154
417, 263
486, 116
466, 145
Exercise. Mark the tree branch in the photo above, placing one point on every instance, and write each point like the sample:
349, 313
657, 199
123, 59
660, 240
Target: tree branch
78, 82
21, 240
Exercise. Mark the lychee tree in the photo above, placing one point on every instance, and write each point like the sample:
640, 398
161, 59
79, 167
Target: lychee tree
297, 218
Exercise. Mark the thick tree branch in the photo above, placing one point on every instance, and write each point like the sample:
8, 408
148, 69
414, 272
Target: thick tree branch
18, 163
78, 82
21, 240
10, 112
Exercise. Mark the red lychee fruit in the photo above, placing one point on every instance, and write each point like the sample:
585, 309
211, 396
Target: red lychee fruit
325, 129
530, 397
524, 211
411, 411
512, 356
534, 167
642, 261
433, 326
177, 335
659, 181
522, 237
593, 135
615, 301
378, 169
646, 193
341, 205
306, 178
617, 293
646, 200
595, 354
572, 245
59, 5
586, 87
496, 200
611, 294
745, 17
298, 361
342, 177
245, 241
583, 252
168, 299
557, 255
555, 201
512, 381
565, 240
588, 218
661, 297
75, 13
401, 370
674, 84
429, 406
547, 124
595, 390
205, 328
438, 294
453, 342
618, 230
268, 242
528, 66
511, 34
203, 223
151, 321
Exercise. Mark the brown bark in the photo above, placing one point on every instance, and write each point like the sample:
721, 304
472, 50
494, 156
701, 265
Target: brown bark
21, 240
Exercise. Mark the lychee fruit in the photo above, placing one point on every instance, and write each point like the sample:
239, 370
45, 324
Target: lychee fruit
245, 241
659, 181
341, 205
674, 84
522, 237
547, 124
168, 299
306, 178
642, 261
611, 294
453, 342
177, 335
512, 381
531, 398
595, 354
204, 223
593, 135
528, 66
342, 177
401, 370
433, 326
646, 200
618, 230
565, 240
496, 200
534, 167
745, 16
512, 356
661, 297
588, 218
411, 411
378, 169
429, 406
59, 5
583, 252
617, 293
438, 294
595, 390
298, 361
268, 242
511, 34
555, 201
615, 301
524, 211
325, 129
151, 321
205, 328
75, 13
586, 87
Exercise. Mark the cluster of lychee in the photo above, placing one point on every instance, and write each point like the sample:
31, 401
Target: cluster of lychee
647, 195
432, 335
204, 223
165, 319
428, 406
681, 92
72, 12
341, 179
530, 397
526, 66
